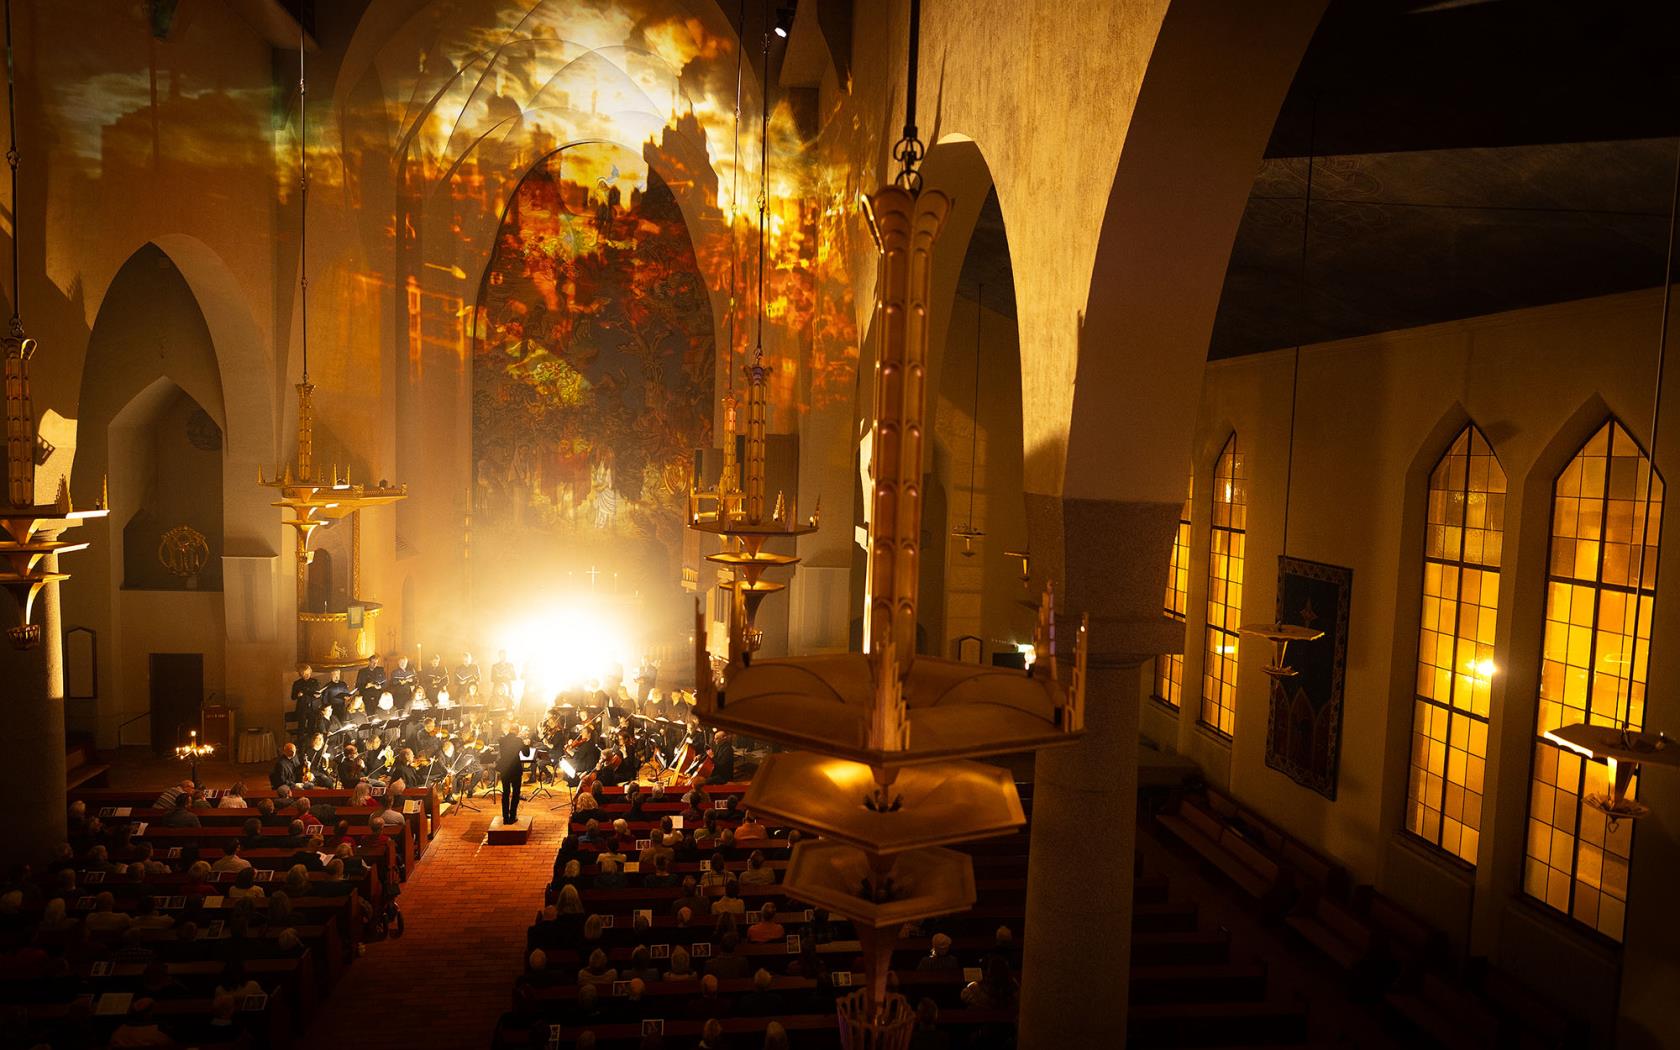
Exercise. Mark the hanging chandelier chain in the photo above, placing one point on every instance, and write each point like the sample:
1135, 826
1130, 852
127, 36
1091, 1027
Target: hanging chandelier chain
974, 420
763, 183
1651, 457
909, 150
303, 201
734, 203
12, 160
1295, 364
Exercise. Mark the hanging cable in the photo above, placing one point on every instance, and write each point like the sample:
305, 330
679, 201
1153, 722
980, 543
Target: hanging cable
974, 420
908, 150
1295, 365
734, 201
303, 203
12, 158
1644, 522
764, 181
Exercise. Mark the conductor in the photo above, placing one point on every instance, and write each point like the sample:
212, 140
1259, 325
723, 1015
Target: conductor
510, 767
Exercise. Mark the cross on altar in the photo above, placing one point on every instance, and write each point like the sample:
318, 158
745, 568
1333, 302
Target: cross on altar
592, 573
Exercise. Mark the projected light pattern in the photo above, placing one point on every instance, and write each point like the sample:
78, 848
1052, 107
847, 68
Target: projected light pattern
592, 367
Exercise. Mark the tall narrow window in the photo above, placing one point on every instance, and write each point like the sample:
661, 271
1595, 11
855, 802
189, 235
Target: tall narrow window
1601, 585
1169, 667
1225, 588
1462, 546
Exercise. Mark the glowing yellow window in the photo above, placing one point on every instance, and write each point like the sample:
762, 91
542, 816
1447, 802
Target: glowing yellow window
1463, 541
1225, 586
1601, 586
1169, 667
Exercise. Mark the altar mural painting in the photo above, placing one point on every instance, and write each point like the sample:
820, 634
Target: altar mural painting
592, 379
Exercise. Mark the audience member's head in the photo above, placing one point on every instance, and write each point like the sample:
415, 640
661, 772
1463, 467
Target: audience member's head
537, 960
570, 902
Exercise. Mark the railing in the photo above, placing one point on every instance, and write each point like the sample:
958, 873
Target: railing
147, 713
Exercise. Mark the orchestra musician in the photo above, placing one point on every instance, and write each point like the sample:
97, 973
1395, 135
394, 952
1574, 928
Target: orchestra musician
435, 679
502, 676
723, 759
317, 770
403, 682
335, 694
463, 680
370, 680
351, 771
306, 698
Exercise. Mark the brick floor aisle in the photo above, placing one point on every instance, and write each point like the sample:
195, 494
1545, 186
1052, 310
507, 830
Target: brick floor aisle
466, 910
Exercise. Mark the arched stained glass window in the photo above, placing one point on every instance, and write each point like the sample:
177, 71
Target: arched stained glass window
1225, 589
1169, 667
1463, 542
1601, 584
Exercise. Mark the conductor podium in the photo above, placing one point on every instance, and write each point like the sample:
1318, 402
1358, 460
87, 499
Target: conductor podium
515, 834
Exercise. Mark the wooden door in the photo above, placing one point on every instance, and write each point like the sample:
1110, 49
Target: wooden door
177, 687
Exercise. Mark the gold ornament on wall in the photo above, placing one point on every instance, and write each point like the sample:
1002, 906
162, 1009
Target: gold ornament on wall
184, 551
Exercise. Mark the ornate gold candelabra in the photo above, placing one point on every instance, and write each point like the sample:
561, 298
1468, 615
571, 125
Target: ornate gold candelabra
884, 741
29, 526
736, 516
310, 497
192, 751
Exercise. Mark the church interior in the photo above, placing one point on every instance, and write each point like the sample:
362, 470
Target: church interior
725, 523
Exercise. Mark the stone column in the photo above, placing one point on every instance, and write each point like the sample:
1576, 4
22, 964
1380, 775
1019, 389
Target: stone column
33, 771
1108, 559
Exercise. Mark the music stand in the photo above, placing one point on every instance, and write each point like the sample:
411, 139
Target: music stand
464, 799
538, 757
572, 781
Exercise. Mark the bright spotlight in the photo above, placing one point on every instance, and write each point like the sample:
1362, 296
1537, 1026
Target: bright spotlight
570, 645
784, 22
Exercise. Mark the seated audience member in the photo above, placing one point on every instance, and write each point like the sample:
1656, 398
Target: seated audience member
655, 849
730, 903
587, 1009
146, 915
105, 917
940, 958
362, 794
231, 860
244, 885
598, 971
345, 854
306, 813
250, 833
775, 1036
268, 816
156, 984
632, 1006
692, 899
140, 1028
757, 874
223, 1026
166, 799
927, 1035
727, 963
180, 815
233, 797
766, 929
711, 1035
995, 990
639, 967
297, 834
680, 970
335, 884
749, 832
147, 857
708, 1003
234, 982
393, 812
608, 877
660, 875
309, 857
623, 838
717, 872
761, 1001
592, 835
199, 880
537, 973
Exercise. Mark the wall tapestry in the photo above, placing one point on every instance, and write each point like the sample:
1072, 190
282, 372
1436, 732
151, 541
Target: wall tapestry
1304, 732
592, 380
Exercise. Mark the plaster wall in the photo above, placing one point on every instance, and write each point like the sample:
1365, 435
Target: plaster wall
1374, 416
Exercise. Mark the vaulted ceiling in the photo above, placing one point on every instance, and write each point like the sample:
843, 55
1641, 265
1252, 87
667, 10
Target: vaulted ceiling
1468, 157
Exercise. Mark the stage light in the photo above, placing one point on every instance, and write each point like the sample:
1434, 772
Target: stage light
386, 701
784, 22
572, 645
